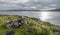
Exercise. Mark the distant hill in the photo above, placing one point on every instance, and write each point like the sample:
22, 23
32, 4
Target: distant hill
23, 25
20, 10
55, 10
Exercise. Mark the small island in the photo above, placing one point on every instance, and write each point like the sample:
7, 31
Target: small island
24, 25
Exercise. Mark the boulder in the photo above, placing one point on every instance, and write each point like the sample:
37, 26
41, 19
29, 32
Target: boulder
10, 33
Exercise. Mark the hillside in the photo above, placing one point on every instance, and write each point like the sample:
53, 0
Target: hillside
23, 25
54, 10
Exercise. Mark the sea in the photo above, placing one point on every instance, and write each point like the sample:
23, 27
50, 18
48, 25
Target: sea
50, 16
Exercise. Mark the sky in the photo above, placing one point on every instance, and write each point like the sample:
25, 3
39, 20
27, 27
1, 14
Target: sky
29, 4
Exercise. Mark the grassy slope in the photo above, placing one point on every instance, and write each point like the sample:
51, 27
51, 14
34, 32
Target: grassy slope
31, 26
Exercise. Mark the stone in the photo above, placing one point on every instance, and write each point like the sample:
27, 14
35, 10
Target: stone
15, 23
10, 33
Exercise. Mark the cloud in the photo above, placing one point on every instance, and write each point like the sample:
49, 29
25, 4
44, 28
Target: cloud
52, 5
48, 8
16, 1
28, 4
45, 1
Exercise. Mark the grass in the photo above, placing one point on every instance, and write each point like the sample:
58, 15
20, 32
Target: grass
31, 26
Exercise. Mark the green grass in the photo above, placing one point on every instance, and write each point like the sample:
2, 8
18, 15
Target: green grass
31, 26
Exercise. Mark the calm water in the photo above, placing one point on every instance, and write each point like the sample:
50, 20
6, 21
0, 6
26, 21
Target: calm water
53, 17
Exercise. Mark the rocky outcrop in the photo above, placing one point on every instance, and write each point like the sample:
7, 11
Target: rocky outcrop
15, 23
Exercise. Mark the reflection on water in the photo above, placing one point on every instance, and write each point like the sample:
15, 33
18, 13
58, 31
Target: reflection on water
44, 16
53, 17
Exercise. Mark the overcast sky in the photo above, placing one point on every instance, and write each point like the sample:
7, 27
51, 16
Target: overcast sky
29, 4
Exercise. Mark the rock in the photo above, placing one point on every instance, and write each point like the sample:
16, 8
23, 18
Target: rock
15, 23
14, 26
10, 33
